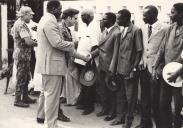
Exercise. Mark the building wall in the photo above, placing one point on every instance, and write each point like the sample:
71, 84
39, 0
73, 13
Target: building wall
4, 32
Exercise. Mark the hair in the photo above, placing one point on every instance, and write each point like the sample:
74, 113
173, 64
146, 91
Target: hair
153, 9
69, 13
178, 7
125, 13
111, 16
52, 4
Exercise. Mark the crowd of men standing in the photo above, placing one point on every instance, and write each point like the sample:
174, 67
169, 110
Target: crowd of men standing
125, 52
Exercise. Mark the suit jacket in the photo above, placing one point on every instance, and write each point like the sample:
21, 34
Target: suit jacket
51, 47
125, 50
105, 51
171, 46
152, 44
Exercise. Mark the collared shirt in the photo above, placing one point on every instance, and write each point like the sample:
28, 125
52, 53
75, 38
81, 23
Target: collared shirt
21, 51
171, 47
151, 45
108, 30
88, 38
154, 26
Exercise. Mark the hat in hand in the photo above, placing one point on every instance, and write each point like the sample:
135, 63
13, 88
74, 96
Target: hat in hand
111, 83
89, 73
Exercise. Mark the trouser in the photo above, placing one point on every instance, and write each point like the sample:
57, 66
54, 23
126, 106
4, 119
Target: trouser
33, 62
126, 98
22, 77
88, 96
49, 100
150, 98
166, 117
107, 97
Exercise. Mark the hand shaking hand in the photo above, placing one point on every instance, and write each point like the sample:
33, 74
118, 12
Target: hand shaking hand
172, 77
88, 57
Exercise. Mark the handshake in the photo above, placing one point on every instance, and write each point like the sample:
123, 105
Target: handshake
87, 58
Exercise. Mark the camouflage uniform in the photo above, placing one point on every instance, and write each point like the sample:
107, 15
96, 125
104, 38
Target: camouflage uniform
22, 57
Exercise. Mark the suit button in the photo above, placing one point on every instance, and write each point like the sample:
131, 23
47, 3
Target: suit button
147, 49
147, 57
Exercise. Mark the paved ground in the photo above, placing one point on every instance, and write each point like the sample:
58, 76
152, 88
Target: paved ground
13, 117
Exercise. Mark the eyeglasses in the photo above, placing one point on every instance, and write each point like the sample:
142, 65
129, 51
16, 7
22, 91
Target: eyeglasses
75, 18
103, 19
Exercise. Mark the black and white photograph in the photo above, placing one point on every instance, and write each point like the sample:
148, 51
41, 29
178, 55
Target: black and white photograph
91, 63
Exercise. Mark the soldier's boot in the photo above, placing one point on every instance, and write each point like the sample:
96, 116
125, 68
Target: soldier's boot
19, 103
26, 99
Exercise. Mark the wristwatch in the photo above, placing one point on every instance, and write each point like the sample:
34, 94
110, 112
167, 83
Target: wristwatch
134, 69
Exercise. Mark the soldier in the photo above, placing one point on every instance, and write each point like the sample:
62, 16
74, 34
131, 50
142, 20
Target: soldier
22, 55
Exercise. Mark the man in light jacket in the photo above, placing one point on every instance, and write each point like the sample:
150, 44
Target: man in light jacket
52, 63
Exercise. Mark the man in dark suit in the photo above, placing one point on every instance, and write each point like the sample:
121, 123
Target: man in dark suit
126, 57
105, 52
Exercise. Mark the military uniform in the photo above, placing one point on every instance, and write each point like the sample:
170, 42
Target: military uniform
22, 57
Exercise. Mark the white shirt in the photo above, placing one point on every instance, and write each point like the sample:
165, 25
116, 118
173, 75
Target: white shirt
88, 38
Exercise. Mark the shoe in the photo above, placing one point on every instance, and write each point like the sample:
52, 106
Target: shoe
68, 105
63, 118
21, 104
116, 122
62, 100
86, 112
102, 113
109, 117
28, 100
80, 107
40, 120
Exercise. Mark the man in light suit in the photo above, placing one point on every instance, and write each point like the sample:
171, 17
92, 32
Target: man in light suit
105, 52
153, 34
52, 63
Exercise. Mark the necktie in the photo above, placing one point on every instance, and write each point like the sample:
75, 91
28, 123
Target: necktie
107, 33
149, 30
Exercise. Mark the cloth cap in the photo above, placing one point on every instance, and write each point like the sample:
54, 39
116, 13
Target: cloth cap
24, 10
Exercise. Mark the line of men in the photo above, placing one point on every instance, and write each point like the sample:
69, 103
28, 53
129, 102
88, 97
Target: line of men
126, 54
132, 54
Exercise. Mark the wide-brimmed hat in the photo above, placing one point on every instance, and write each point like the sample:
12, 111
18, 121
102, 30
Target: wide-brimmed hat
171, 68
89, 74
111, 83
24, 10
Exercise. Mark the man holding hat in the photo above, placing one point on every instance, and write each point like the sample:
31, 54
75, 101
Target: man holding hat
22, 56
170, 51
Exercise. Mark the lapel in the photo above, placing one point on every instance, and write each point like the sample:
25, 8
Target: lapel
109, 34
128, 31
172, 33
156, 28
180, 32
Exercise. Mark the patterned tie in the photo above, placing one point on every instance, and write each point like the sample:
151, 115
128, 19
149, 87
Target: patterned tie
149, 30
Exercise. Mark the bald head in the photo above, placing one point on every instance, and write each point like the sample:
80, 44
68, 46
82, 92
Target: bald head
87, 12
87, 16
